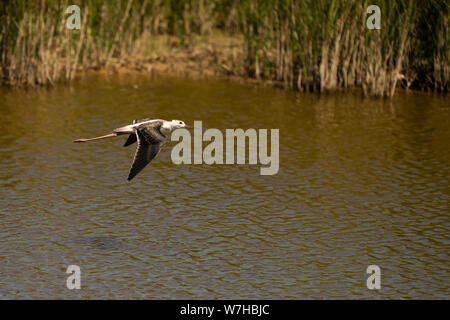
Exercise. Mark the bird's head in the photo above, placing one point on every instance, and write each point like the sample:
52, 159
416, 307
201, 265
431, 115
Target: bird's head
177, 124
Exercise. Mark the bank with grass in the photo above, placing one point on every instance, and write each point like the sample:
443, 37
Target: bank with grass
311, 45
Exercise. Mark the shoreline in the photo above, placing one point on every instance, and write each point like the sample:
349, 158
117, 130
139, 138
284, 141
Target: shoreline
305, 47
163, 72
216, 56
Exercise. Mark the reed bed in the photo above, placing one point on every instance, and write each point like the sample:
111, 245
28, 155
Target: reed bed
323, 45
307, 45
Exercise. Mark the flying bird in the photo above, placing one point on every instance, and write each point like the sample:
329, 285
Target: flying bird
150, 134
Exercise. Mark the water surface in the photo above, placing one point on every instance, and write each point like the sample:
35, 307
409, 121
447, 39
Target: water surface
361, 182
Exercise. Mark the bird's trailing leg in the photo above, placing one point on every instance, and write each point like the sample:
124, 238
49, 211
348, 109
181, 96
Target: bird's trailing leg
96, 138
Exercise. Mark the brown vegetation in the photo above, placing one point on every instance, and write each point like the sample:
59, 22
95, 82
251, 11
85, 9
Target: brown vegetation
320, 45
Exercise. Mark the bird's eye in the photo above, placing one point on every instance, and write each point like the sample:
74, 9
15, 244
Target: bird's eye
181, 122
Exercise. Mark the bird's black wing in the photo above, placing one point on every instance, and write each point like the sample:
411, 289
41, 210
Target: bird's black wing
131, 139
151, 132
150, 140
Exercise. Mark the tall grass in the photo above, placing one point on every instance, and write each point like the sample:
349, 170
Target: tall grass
325, 45
37, 48
308, 45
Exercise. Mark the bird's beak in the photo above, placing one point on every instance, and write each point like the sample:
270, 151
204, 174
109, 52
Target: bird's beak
188, 127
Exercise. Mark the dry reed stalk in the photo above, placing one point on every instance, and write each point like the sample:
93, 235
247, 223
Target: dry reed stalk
119, 32
73, 67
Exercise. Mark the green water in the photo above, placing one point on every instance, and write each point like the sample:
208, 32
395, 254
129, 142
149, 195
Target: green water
361, 182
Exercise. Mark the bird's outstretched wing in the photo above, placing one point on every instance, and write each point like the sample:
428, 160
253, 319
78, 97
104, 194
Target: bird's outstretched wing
131, 139
150, 139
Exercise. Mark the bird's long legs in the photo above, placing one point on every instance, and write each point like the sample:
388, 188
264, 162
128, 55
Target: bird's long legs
96, 138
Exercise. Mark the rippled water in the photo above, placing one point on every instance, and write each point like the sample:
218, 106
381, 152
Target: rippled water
361, 182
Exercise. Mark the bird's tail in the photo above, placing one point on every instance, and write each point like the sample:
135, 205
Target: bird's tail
96, 138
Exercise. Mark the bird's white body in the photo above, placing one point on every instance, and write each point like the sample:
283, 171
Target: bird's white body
167, 126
